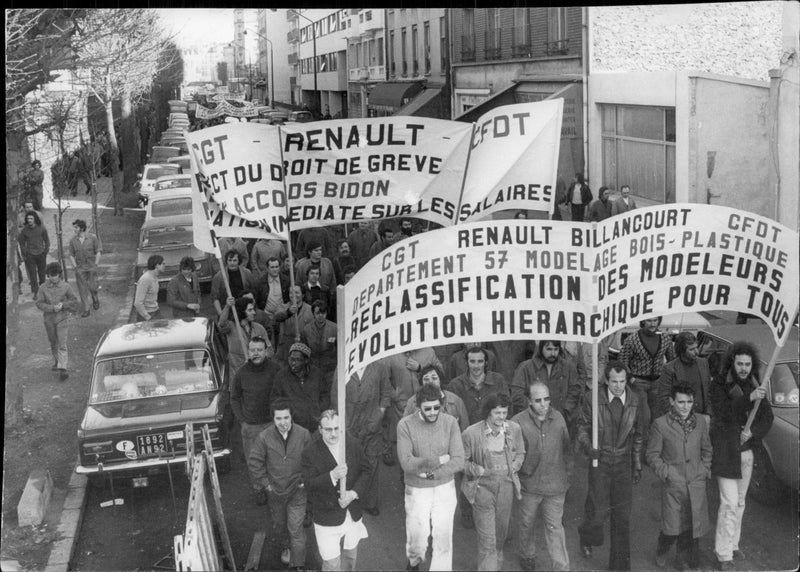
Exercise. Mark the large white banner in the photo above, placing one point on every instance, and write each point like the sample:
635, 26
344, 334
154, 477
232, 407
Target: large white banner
330, 172
573, 281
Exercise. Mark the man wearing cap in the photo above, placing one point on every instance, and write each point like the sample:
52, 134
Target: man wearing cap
304, 386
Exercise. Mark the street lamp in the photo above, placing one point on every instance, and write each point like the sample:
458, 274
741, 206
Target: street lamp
271, 68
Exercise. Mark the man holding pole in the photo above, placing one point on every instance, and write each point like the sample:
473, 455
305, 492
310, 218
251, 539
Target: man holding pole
741, 419
618, 467
337, 516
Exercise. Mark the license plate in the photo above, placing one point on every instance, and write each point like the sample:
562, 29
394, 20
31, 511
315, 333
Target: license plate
139, 482
151, 444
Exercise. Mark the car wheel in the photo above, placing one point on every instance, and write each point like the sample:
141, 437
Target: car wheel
764, 484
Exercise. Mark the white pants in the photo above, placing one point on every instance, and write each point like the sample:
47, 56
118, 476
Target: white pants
329, 537
732, 493
429, 512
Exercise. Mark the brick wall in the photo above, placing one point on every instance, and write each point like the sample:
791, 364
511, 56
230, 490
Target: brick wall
741, 39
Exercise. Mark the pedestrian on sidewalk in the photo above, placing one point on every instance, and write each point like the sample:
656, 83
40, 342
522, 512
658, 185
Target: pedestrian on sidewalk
679, 451
183, 291
34, 244
57, 300
35, 180
145, 301
84, 254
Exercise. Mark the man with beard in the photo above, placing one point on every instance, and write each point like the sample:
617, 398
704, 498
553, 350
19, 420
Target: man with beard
558, 374
687, 369
406, 229
385, 239
544, 477
619, 443
679, 452
336, 517
734, 394
430, 451
250, 391
343, 261
304, 386
276, 464
493, 452
600, 208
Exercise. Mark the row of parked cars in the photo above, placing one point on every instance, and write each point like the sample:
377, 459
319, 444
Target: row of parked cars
165, 192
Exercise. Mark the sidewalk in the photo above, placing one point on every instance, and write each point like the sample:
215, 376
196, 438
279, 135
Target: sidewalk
53, 409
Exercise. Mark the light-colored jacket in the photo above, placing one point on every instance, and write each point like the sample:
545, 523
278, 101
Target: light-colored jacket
476, 453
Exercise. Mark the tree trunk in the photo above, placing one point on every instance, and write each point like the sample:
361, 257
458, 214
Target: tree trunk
113, 146
130, 158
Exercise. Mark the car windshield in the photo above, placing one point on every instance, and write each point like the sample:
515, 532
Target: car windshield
784, 384
167, 236
157, 172
170, 207
152, 375
183, 182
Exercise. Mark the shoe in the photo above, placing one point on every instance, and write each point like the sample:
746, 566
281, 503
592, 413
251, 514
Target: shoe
261, 497
661, 559
527, 564
286, 556
467, 521
388, 459
413, 568
375, 511
726, 565
85, 314
62, 374
586, 551
96, 304
738, 555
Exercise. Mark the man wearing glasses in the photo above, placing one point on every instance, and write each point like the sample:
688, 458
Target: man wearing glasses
430, 452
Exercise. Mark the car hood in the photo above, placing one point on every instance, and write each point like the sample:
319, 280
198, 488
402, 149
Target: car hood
150, 412
789, 414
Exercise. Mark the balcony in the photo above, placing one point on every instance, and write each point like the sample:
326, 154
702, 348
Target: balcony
521, 51
377, 72
468, 48
358, 74
492, 42
558, 48
293, 36
372, 25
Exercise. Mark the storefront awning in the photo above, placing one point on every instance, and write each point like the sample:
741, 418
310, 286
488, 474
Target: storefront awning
424, 105
392, 94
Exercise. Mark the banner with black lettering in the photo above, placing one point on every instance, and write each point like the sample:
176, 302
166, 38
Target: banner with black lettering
342, 171
573, 281
513, 160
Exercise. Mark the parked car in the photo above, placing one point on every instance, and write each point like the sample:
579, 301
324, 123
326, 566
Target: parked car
775, 464
184, 161
178, 142
301, 116
146, 180
169, 203
178, 106
160, 153
172, 180
149, 380
671, 325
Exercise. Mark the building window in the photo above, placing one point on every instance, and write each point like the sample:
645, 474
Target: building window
468, 39
557, 41
391, 53
368, 16
639, 150
492, 39
403, 51
426, 46
443, 43
521, 42
380, 51
414, 48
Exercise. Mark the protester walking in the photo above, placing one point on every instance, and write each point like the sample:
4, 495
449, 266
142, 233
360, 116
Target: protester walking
145, 300
34, 244
84, 254
57, 301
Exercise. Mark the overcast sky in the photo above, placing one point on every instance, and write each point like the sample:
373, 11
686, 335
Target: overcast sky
210, 25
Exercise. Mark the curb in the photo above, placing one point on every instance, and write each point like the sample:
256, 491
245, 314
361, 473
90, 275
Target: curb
69, 522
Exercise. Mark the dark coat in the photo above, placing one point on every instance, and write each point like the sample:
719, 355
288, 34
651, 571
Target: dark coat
730, 402
309, 398
682, 463
262, 290
676, 372
323, 495
629, 437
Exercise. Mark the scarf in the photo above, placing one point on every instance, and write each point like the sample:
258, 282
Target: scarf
688, 424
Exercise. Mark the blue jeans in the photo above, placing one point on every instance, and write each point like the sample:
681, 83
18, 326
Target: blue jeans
552, 512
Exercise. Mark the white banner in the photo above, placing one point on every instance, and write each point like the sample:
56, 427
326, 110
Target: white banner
371, 169
514, 160
572, 281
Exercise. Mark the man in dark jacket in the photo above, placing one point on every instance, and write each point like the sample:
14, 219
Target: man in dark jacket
183, 291
250, 399
688, 369
336, 516
618, 452
578, 196
304, 386
734, 394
